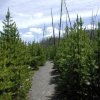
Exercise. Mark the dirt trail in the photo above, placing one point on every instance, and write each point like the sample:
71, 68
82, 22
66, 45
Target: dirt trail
42, 87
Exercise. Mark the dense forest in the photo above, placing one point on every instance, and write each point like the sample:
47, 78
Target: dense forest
78, 63
18, 60
76, 59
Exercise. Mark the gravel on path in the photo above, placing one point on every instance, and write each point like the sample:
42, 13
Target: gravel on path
41, 88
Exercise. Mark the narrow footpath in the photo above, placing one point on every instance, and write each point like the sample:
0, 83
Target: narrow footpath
42, 86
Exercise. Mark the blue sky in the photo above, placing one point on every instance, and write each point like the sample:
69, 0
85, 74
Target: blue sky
31, 15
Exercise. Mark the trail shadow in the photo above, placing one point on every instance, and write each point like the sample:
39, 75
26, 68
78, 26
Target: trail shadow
54, 72
64, 91
61, 93
54, 80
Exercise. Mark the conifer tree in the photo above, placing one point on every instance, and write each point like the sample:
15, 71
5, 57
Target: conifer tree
9, 38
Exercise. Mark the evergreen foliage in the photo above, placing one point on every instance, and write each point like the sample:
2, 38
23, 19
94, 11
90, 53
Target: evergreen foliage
17, 59
78, 61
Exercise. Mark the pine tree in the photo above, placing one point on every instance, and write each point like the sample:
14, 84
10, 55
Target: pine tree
9, 39
16, 59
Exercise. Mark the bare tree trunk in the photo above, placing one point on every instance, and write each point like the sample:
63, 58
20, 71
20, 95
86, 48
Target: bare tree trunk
43, 33
68, 14
60, 20
92, 27
66, 28
53, 28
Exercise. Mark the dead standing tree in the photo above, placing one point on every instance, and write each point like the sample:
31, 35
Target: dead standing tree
53, 28
67, 14
60, 24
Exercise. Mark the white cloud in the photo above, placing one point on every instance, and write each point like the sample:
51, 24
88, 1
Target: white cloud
36, 30
83, 14
33, 13
25, 21
23, 15
90, 26
28, 36
39, 15
49, 32
80, 5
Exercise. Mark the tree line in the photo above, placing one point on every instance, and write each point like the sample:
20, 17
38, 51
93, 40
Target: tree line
17, 61
77, 62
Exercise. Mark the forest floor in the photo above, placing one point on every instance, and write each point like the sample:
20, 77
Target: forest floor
43, 83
